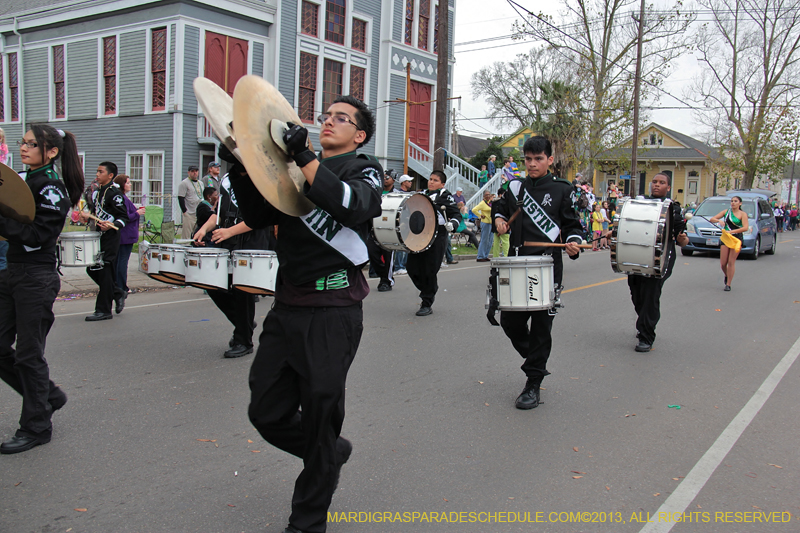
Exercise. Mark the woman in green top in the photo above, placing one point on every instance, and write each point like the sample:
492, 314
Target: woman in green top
735, 222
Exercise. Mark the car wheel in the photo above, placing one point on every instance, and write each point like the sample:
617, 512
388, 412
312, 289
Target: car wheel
686, 252
774, 247
756, 248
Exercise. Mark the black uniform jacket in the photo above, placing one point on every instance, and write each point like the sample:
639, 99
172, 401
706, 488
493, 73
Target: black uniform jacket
36, 242
548, 213
333, 236
442, 198
229, 214
109, 205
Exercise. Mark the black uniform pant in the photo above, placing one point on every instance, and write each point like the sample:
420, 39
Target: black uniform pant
646, 297
303, 357
240, 309
532, 341
27, 293
105, 274
381, 261
423, 267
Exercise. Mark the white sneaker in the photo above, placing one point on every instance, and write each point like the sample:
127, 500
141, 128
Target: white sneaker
401, 272
444, 265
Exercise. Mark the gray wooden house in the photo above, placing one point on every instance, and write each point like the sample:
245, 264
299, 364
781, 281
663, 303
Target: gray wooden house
118, 73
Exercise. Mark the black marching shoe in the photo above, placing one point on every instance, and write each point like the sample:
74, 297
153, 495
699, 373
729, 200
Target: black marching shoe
530, 395
291, 529
343, 452
384, 287
17, 444
238, 350
424, 310
453, 262
94, 317
642, 346
120, 303
58, 400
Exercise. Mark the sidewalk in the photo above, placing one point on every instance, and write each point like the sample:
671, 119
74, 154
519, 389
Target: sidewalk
76, 283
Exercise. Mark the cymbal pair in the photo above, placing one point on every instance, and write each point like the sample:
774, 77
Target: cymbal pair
251, 125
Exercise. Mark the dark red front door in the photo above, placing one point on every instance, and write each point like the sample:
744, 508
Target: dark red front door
419, 131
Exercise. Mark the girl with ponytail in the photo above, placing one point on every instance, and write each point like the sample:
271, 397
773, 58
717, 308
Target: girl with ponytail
30, 284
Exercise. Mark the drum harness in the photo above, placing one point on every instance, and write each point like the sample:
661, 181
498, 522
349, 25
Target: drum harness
516, 243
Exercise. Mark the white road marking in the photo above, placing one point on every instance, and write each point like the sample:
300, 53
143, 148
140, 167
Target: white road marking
139, 306
696, 479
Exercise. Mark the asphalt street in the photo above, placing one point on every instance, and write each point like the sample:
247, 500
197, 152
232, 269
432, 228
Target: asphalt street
155, 437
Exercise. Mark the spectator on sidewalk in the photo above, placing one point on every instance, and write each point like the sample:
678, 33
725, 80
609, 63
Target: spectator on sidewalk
484, 211
459, 196
464, 229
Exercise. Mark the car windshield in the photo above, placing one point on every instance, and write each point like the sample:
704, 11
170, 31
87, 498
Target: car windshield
711, 208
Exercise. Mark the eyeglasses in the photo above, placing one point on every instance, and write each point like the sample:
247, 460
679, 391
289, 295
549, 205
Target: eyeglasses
337, 119
31, 144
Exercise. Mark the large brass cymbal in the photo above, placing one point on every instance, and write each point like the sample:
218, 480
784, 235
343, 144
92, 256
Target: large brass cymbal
16, 199
255, 103
217, 107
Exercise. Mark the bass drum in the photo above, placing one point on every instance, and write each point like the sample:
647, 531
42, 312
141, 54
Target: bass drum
639, 237
407, 223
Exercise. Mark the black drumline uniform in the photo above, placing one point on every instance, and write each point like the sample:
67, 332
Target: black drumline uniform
313, 330
381, 261
548, 215
107, 203
646, 290
28, 288
239, 307
423, 267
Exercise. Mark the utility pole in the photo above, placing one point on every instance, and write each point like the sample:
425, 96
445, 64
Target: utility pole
636, 86
441, 86
408, 116
791, 177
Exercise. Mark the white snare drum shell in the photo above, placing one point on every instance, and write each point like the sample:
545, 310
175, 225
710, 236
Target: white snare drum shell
255, 271
525, 283
171, 263
207, 268
79, 248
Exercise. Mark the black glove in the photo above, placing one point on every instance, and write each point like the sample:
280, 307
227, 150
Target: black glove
296, 139
226, 155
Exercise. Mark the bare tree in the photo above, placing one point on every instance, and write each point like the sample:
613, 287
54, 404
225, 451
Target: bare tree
597, 38
751, 51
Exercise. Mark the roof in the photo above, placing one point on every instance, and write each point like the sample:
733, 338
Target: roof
469, 146
13, 7
693, 149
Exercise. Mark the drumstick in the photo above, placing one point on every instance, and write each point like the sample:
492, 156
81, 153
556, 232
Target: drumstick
554, 244
100, 220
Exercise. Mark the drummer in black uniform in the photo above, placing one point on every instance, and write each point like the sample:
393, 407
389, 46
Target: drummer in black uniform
107, 204
424, 267
646, 290
547, 215
311, 335
380, 260
232, 233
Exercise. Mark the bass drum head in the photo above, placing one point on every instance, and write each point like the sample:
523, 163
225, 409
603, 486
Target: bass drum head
417, 223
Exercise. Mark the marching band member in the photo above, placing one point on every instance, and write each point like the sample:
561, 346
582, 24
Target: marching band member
108, 204
381, 260
231, 233
424, 266
646, 290
30, 284
311, 335
547, 215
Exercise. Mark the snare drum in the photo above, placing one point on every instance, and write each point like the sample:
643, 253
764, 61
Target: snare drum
171, 264
150, 263
255, 271
207, 268
639, 237
524, 283
407, 223
80, 249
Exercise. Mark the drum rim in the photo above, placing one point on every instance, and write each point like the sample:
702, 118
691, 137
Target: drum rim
213, 252
73, 235
255, 253
547, 259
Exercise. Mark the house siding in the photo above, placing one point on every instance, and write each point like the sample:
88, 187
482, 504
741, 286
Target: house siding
191, 69
397, 117
288, 50
258, 59
82, 66
172, 39
131, 72
398, 20
36, 85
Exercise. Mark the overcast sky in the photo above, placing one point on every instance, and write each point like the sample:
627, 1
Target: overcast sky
481, 19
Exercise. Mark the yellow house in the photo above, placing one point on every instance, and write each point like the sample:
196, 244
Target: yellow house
688, 161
